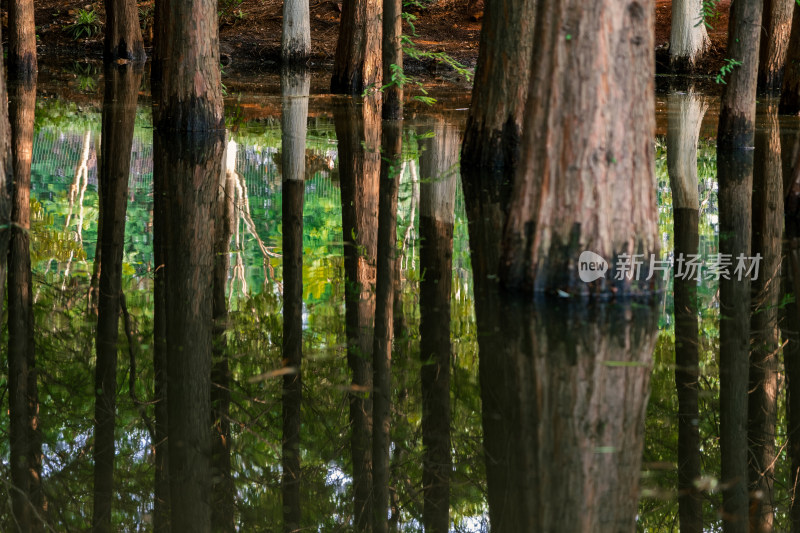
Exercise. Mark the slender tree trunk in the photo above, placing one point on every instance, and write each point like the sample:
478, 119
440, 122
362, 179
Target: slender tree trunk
25, 433
294, 114
777, 26
438, 164
686, 112
762, 400
119, 116
392, 58
123, 36
688, 36
358, 134
790, 333
790, 90
193, 168
22, 63
735, 175
357, 64
188, 89
296, 36
6, 189
391, 145
223, 507
586, 179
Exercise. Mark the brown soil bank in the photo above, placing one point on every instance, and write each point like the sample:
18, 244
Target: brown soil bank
250, 32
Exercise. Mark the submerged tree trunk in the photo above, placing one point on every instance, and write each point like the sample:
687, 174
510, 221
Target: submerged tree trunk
296, 35
357, 64
391, 148
22, 62
586, 178
777, 26
790, 89
123, 36
25, 434
358, 134
119, 116
438, 163
763, 388
294, 114
685, 118
688, 35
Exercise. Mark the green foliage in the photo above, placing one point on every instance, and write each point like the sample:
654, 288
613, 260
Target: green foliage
726, 69
229, 11
85, 25
709, 12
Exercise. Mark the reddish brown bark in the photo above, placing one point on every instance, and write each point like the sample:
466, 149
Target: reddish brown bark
790, 90
123, 36
777, 26
22, 62
357, 64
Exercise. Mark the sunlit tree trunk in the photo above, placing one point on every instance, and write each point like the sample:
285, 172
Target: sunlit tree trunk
294, 114
686, 112
358, 134
296, 36
438, 166
21, 40
357, 64
123, 36
119, 116
777, 26
688, 35
762, 400
586, 179
790, 88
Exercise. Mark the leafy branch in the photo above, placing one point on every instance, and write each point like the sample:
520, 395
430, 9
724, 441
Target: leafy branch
726, 69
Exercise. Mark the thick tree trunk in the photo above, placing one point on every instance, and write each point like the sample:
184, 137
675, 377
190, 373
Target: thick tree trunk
188, 91
25, 433
735, 175
586, 180
294, 114
222, 510
392, 59
438, 164
22, 63
762, 400
123, 36
391, 148
119, 116
688, 39
296, 36
357, 64
777, 26
358, 134
685, 118
790, 89
193, 169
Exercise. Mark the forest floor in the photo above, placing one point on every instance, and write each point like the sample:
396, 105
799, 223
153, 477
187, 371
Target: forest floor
250, 33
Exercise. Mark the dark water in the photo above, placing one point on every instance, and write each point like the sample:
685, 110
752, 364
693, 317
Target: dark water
245, 256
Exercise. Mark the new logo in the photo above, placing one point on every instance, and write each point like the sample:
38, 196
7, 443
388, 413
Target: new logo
591, 267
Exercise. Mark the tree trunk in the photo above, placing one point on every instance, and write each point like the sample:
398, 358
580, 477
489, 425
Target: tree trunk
763, 388
123, 36
688, 35
735, 175
790, 90
119, 116
25, 432
357, 64
193, 168
586, 179
294, 114
391, 152
392, 59
685, 118
188, 89
6, 189
22, 63
296, 36
777, 26
789, 322
438, 164
358, 134
222, 509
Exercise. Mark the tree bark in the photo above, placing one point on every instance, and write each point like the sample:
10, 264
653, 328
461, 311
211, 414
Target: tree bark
438, 163
193, 168
789, 321
123, 36
777, 26
119, 116
392, 59
790, 89
357, 64
685, 119
296, 35
358, 134
391, 148
763, 388
586, 179
294, 114
688, 35
22, 62
188, 91
6, 188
